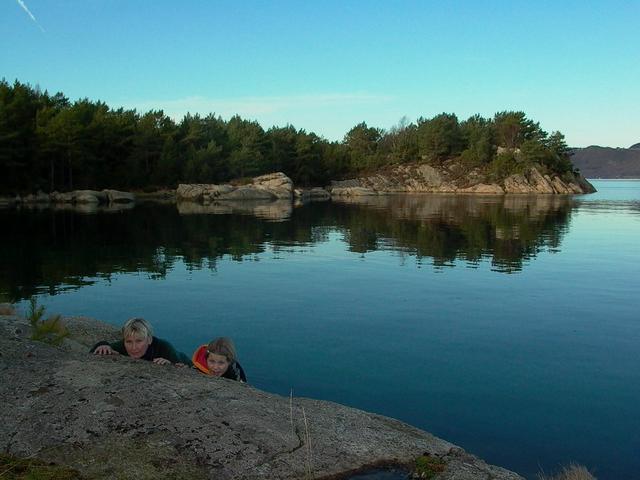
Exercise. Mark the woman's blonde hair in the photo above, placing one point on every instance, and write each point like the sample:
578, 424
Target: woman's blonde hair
222, 346
137, 326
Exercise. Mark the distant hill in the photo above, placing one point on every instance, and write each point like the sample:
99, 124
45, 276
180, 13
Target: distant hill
606, 162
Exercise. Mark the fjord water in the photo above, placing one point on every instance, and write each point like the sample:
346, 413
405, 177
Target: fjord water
506, 325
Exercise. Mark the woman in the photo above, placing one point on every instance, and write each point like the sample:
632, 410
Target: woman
138, 342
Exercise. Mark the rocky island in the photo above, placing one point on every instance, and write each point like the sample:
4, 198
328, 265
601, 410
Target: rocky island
113, 417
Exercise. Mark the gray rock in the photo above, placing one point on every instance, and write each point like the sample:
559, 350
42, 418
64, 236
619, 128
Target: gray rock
277, 184
116, 196
58, 197
89, 196
453, 177
198, 192
114, 417
249, 192
266, 187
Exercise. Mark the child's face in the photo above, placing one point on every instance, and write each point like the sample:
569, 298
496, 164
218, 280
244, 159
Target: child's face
136, 345
217, 364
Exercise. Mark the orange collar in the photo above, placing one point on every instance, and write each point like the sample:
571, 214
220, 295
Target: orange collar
200, 359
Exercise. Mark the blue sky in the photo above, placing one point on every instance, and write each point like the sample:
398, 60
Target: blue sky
325, 66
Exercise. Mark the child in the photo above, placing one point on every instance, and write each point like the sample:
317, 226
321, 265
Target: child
138, 342
219, 360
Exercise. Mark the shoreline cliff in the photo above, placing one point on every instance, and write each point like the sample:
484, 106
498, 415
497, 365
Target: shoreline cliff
453, 177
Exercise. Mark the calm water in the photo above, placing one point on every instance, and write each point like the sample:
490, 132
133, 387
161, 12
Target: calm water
509, 326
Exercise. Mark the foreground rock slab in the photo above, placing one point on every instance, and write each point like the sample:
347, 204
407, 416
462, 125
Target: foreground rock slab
113, 417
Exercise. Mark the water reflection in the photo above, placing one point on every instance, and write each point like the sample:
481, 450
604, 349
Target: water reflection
508, 229
276, 211
50, 250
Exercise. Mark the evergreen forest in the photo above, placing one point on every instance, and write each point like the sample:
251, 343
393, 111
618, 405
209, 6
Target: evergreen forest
50, 143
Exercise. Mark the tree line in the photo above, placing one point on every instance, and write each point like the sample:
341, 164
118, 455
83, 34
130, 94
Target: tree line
49, 143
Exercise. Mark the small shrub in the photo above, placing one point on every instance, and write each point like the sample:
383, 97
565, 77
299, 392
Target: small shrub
428, 467
51, 330
505, 164
570, 472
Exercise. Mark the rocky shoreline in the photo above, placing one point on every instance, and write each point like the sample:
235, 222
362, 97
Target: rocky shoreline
452, 177
449, 178
113, 417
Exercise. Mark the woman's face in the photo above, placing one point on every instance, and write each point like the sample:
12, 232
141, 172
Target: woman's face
136, 345
217, 364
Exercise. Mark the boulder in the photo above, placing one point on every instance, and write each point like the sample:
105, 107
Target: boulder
539, 183
58, 197
42, 197
116, 196
249, 192
516, 183
276, 183
200, 192
115, 417
89, 196
266, 187
430, 175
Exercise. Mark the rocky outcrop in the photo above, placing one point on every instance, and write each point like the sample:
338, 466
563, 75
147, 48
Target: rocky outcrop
116, 196
273, 186
277, 184
75, 197
113, 417
452, 177
89, 196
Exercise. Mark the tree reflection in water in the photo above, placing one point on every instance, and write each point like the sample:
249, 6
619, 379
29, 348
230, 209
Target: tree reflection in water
50, 250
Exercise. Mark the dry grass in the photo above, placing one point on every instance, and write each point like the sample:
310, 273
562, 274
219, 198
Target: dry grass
570, 472
307, 438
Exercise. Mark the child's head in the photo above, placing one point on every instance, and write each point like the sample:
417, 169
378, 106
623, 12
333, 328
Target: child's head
137, 336
220, 354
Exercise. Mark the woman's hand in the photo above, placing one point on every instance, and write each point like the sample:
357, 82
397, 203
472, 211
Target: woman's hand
105, 350
161, 361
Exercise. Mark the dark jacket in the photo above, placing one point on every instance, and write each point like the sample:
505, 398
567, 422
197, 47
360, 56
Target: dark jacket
159, 348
